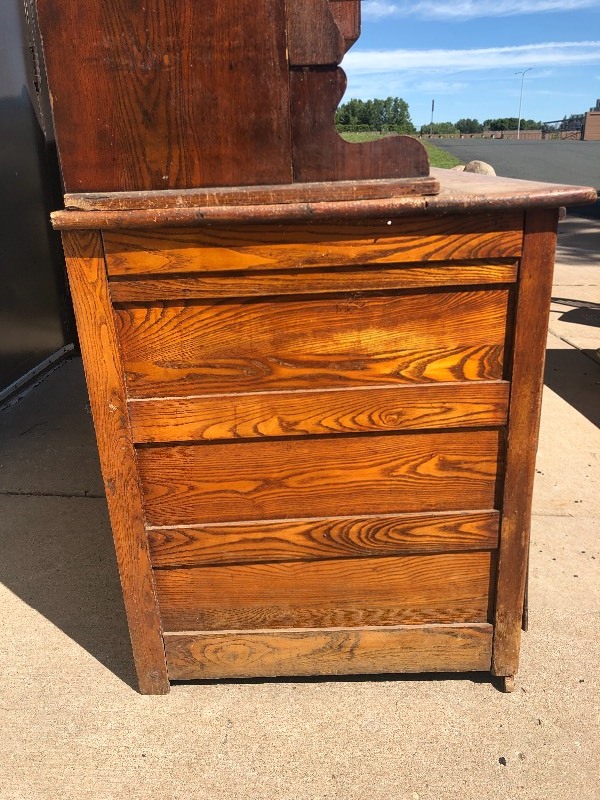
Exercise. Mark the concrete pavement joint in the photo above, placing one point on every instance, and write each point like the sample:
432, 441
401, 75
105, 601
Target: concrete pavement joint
86, 495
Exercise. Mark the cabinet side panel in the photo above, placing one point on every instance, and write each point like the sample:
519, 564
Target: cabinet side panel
533, 306
99, 346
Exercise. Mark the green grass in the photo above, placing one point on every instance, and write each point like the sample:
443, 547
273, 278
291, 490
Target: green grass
437, 156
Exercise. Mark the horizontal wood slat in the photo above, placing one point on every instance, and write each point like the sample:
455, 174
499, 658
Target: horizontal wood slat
355, 475
236, 654
232, 196
184, 348
449, 587
333, 537
297, 413
311, 281
179, 250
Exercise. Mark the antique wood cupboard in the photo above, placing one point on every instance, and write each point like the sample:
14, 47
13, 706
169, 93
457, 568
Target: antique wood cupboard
315, 368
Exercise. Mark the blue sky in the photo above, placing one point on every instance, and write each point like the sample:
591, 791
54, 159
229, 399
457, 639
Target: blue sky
464, 53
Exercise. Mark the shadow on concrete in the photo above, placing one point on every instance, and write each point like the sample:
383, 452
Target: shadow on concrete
574, 375
412, 677
56, 546
582, 312
577, 243
591, 211
58, 558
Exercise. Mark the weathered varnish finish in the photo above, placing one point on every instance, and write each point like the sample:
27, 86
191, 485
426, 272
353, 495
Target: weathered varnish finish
314, 367
324, 421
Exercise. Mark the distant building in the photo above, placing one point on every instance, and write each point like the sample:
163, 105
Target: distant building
591, 125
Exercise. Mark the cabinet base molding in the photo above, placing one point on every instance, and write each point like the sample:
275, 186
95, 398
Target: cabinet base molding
328, 651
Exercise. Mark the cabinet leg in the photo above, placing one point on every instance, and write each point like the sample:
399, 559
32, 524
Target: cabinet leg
508, 683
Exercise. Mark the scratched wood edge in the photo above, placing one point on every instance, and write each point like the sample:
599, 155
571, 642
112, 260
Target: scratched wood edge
103, 370
533, 307
307, 539
315, 191
329, 651
204, 216
456, 186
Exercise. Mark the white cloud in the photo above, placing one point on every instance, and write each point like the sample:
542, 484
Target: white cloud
548, 54
467, 9
442, 87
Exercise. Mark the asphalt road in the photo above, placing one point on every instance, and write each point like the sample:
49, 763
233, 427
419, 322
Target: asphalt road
577, 163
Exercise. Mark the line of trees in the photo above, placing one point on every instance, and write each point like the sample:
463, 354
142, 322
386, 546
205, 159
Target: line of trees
468, 125
390, 114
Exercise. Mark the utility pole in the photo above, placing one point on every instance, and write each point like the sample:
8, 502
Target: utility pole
522, 74
431, 126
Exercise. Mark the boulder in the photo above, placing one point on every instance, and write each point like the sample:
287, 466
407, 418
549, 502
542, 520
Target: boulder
480, 167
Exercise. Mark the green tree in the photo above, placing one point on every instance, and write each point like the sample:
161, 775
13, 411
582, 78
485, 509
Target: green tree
511, 123
468, 125
391, 114
439, 128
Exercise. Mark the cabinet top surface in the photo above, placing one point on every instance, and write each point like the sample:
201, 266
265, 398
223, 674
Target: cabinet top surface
345, 200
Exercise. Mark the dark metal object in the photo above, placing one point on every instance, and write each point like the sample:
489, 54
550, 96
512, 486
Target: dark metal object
34, 304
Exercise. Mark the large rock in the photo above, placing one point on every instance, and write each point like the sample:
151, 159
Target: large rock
480, 167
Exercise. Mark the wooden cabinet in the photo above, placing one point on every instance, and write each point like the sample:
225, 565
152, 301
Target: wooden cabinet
318, 438
314, 367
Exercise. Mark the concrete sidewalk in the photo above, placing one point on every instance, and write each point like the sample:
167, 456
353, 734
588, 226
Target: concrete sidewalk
73, 726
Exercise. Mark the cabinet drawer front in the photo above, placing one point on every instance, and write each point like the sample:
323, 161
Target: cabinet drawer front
255, 247
277, 479
452, 587
185, 348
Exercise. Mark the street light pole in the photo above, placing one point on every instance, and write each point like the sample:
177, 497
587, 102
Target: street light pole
522, 74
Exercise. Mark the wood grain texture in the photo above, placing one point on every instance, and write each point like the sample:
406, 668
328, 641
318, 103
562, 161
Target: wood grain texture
533, 306
313, 36
227, 196
168, 94
320, 153
311, 281
297, 413
100, 350
346, 14
332, 537
461, 194
395, 590
184, 348
262, 247
354, 475
235, 654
